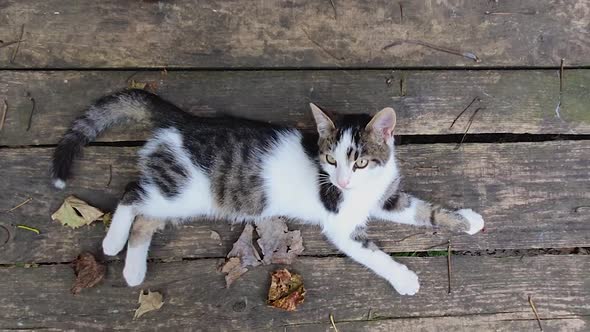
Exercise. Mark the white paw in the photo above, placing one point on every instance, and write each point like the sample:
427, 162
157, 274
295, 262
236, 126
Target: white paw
405, 281
134, 272
475, 220
111, 246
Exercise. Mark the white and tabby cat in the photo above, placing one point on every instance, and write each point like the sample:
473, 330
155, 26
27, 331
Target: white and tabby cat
245, 170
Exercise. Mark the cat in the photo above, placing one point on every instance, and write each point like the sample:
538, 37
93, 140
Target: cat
245, 171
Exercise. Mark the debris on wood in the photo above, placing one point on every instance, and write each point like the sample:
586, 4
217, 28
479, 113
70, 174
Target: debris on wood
28, 228
5, 239
18, 41
148, 86
332, 316
33, 106
107, 218
277, 244
286, 290
75, 213
3, 116
26, 201
464, 110
468, 55
89, 272
532, 304
215, 236
469, 123
27, 265
334, 8
149, 301
449, 266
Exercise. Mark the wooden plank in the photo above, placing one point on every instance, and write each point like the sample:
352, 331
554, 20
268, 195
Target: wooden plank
196, 297
528, 194
514, 101
307, 33
491, 322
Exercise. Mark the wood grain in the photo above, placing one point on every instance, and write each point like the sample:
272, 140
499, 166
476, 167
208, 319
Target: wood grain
302, 33
513, 101
195, 295
527, 193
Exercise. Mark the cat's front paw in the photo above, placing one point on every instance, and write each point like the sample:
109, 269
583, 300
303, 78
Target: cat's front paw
474, 219
134, 272
405, 281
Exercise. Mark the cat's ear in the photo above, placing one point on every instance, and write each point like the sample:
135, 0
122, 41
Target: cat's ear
383, 123
323, 122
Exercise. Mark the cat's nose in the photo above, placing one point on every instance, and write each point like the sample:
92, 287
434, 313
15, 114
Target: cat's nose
343, 182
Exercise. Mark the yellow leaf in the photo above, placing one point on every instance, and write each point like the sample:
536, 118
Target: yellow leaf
148, 302
75, 212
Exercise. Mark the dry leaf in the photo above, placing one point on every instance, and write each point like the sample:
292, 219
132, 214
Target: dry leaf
148, 86
148, 302
88, 272
215, 236
286, 290
244, 253
75, 212
278, 244
233, 269
107, 218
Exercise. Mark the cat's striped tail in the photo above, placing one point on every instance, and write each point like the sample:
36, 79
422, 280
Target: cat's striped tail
134, 105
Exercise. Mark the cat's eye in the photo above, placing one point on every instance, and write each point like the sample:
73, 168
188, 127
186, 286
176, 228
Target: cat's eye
330, 160
361, 163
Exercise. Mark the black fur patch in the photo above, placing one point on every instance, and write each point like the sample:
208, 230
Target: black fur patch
331, 196
133, 193
391, 203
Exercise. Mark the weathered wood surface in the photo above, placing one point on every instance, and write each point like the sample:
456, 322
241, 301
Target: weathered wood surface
196, 298
529, 194
492, 322
427, 102
307, 33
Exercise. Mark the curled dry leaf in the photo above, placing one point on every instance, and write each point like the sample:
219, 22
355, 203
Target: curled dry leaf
74, 213
242, 254
149, 301
278, 244
286, 290
89, 272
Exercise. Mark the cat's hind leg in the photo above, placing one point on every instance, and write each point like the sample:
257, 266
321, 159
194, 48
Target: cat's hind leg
125, 213
137, 249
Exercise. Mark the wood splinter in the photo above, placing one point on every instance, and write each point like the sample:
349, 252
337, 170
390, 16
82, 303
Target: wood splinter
449, 265
535, 312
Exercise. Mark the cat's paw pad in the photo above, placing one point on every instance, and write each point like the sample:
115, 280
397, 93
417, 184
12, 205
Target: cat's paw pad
474, 219
405, 281
134, 273
112, 246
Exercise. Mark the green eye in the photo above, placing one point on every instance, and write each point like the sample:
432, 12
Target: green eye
330, 160
361, 163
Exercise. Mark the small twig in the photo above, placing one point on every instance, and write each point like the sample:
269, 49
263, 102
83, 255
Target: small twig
32, 111
401, 13
402, 86
110, 176
8, 235
22, 32
465, 109
321, 47
409, 236
332, 321
32, 229
524, 12
535, 312
468, 126
468, 55
334, 7
581, 207
561, 77
449, 265
3, 117
26, 201
11, 42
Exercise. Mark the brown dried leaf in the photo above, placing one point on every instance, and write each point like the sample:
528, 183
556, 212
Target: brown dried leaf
286, 290
233, 269
278, 244
148, 302
88, 272
242, 254
75, 212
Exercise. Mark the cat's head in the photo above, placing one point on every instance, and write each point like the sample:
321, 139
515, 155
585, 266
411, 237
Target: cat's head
355, 149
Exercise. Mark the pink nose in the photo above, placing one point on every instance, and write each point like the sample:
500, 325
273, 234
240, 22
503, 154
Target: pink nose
343, 182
